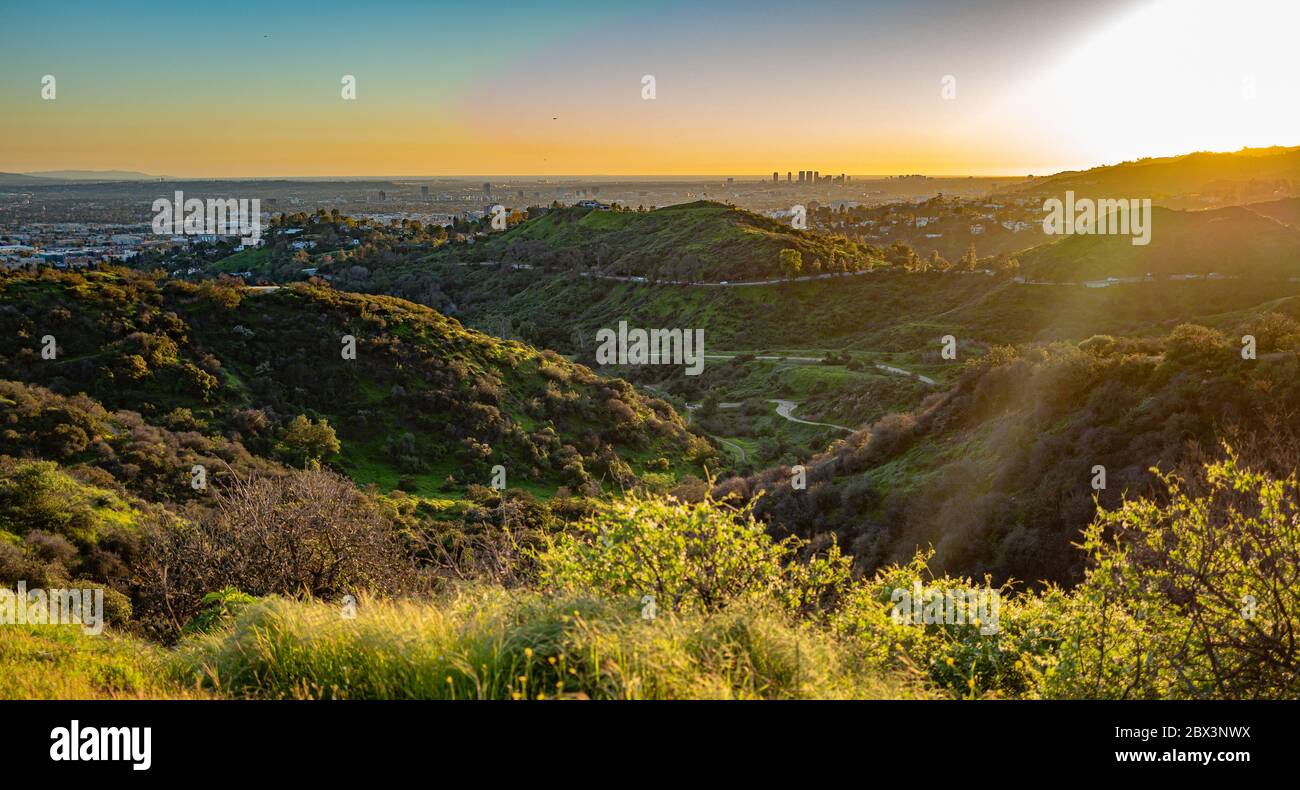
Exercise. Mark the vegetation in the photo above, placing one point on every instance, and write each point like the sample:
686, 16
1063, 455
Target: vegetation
308, 375
998, 473
1189, 599
294, 492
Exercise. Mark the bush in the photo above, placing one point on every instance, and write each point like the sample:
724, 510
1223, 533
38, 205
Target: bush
959, 657
1188, 596
219, 609
1192, 596
310, 533
698, 556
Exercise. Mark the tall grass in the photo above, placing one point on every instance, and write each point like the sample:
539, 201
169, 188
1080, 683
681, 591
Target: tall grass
495, 644
62, 662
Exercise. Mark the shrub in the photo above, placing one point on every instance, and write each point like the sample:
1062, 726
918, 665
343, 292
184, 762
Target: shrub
310, 533
1191, 596
959, 657
699, 556
219, 609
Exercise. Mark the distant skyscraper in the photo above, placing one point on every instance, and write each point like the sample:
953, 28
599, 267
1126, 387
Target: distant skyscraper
788, 176
382, 196
775, 176
817, 176
487, 190
801, 175
424, 193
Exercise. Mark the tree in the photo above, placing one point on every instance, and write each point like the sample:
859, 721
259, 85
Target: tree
791, 263
709, 407
307, 443
970, 260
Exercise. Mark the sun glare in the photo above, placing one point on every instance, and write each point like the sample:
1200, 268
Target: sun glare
1171, 77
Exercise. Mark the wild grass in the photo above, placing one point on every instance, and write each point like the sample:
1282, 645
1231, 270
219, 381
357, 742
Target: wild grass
488, 643
63, 662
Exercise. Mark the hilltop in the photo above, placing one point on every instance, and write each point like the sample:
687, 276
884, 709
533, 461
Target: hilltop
1190, 180
700, 241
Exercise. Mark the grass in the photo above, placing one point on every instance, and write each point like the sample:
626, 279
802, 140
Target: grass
494, 644
250, 260
63, 662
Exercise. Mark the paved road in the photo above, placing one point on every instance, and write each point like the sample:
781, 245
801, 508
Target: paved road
739, 450
784, 407
727, 284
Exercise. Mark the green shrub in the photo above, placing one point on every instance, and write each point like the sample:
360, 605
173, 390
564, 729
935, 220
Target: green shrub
1190, 596
219, 608
688, 557
959, 657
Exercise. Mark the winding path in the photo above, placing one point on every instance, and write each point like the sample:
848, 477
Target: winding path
784, 407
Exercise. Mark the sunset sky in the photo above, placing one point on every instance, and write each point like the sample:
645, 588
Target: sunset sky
546, 88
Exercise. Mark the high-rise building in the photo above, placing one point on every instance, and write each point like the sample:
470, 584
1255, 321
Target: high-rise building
424, 193
788, 176
382, 196
775, 176
817, 176
802, 173
487, 190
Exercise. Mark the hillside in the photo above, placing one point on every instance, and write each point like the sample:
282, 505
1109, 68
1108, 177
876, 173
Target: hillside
700, 241
1286, 210
1191, 180
1229, 241
996, 474
424, 403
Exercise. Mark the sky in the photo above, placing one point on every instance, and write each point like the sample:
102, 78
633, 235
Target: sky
243, 89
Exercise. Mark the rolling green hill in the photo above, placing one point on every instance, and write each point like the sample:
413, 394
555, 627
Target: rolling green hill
424, 403
702, 241
1231, 241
